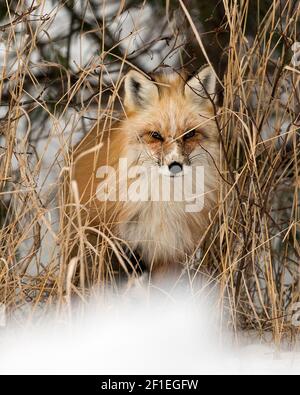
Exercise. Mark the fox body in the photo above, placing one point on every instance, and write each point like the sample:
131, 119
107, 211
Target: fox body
169, 126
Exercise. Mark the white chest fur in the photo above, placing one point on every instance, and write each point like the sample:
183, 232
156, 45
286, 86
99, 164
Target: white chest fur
157, 230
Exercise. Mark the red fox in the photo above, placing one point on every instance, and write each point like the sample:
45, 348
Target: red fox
170, 127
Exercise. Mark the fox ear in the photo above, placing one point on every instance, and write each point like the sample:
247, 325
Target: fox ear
139, 91
203, 85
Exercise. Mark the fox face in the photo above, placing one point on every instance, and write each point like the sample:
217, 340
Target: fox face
171, 122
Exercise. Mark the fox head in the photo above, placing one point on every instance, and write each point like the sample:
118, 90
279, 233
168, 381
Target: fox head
171, 121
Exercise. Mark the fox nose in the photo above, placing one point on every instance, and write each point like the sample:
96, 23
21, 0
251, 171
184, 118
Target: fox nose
175, 167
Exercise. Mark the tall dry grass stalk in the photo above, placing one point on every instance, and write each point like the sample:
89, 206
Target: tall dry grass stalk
252, 248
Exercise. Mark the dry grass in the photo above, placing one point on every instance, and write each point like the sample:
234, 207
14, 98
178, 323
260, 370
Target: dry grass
252, 249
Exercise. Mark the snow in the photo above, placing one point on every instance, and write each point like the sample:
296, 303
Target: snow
133, 335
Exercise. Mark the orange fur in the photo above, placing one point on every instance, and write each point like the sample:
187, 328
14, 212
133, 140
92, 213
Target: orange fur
162, 233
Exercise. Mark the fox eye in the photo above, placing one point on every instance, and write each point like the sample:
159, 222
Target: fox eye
189, 135
157, 136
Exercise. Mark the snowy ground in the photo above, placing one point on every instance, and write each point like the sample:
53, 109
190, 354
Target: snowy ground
173, 336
